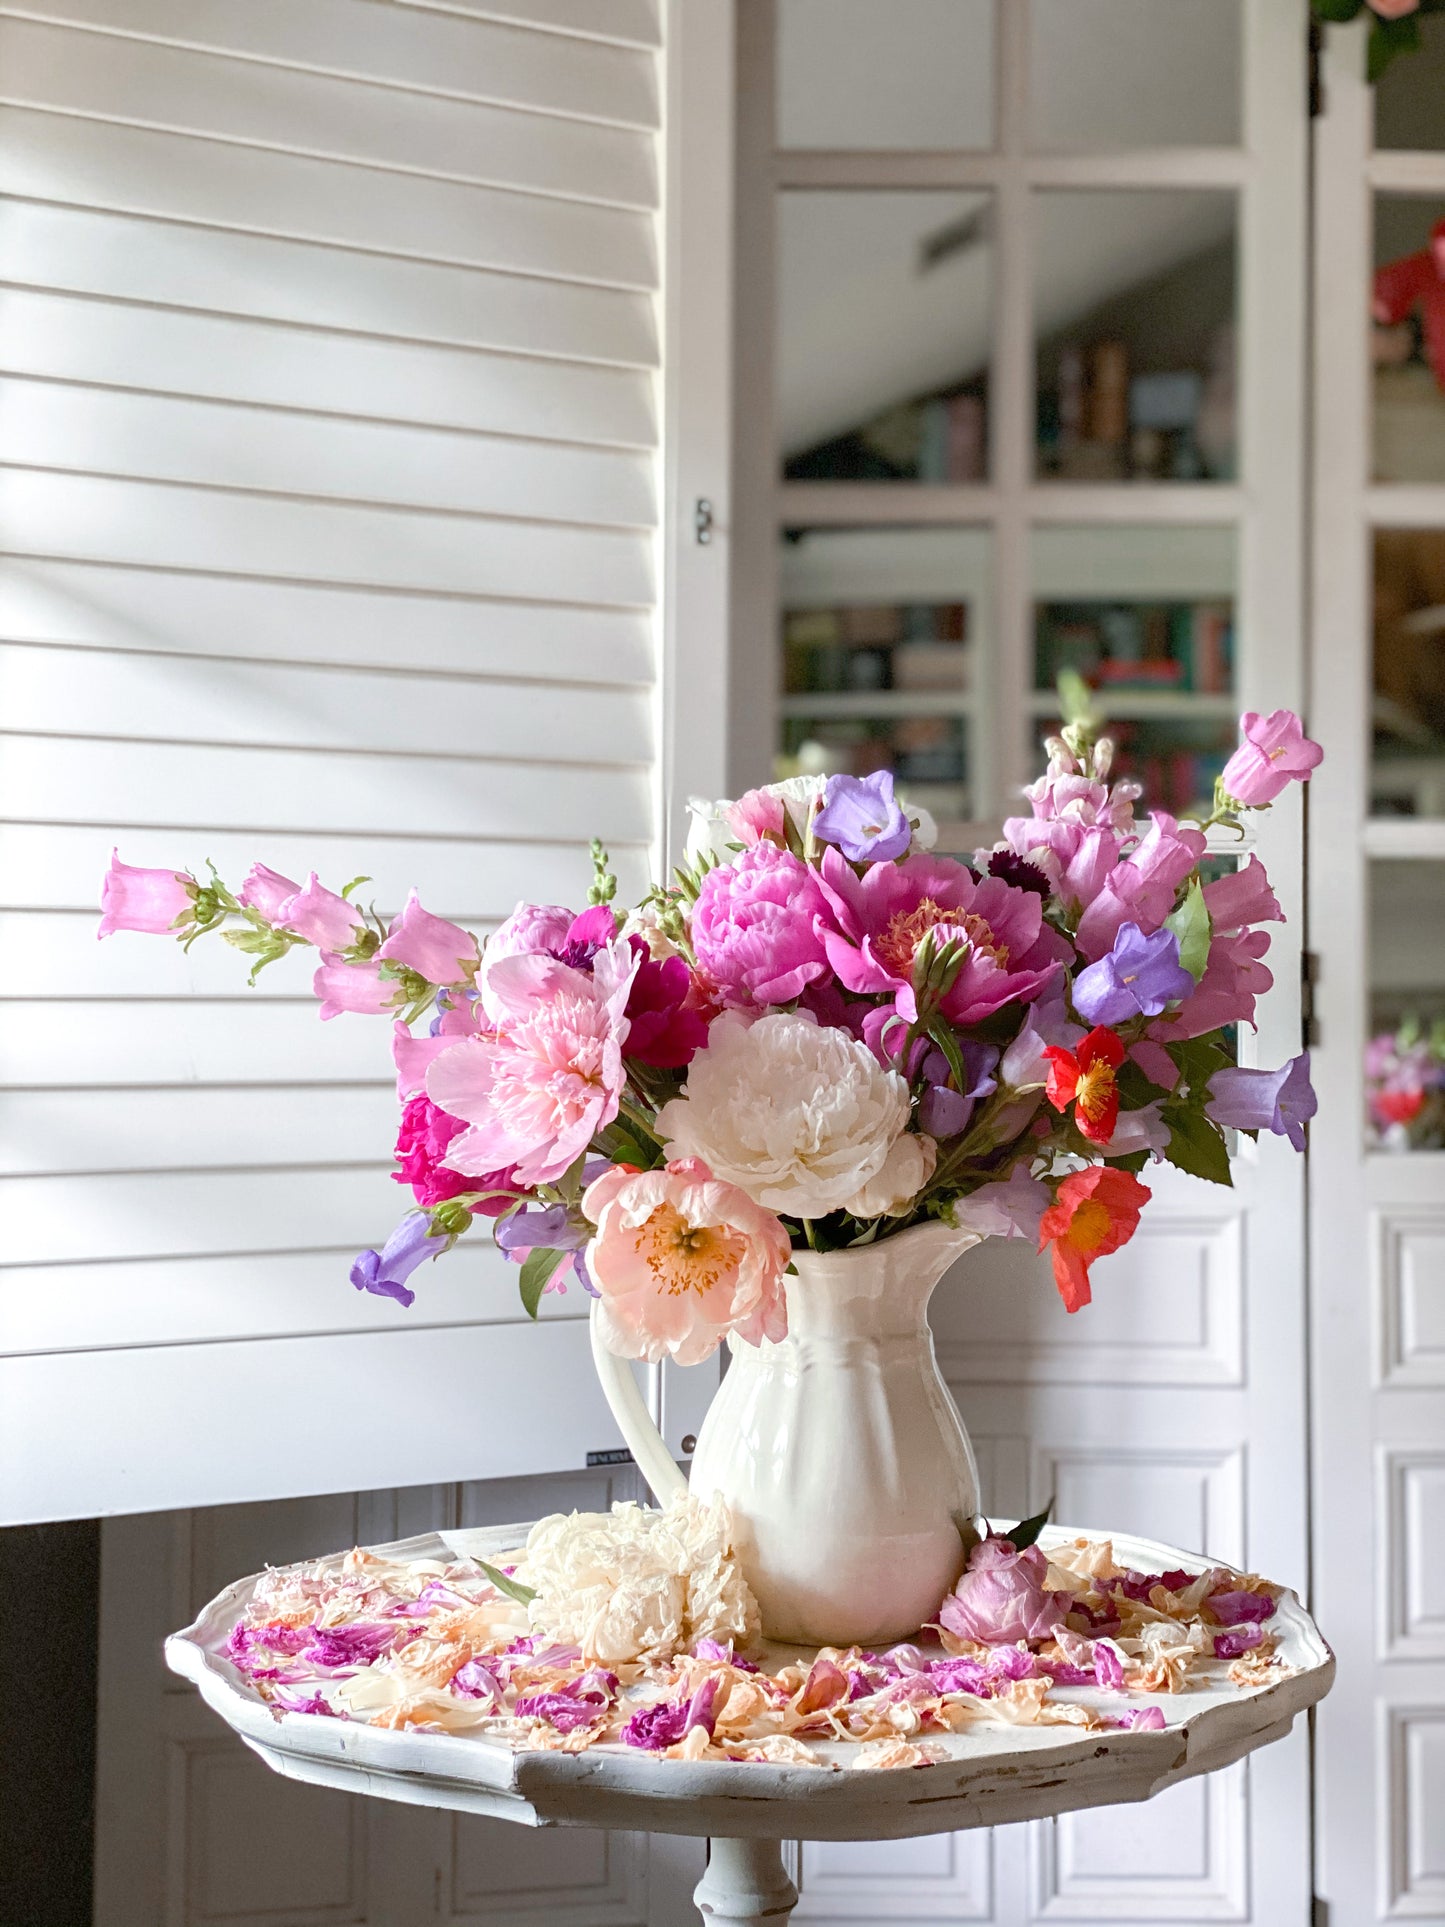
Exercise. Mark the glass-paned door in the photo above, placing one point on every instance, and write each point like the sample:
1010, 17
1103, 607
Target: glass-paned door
1378, 924
1020, 380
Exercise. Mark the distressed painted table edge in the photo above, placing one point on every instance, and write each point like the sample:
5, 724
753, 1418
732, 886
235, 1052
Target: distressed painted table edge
1016, 1774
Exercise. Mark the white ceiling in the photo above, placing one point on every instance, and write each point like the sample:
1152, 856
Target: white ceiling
860, 326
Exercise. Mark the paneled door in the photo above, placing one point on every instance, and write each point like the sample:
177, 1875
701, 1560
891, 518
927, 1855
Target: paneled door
1377, 882
1021, 324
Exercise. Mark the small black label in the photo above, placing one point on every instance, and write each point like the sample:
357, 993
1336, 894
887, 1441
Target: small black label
618, 1455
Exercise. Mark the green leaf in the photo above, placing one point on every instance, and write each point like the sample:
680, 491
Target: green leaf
1076, 700
943, 1036
355, 884
1198, 1059
1134, 1161
537, 1268
1388, 38
1337, 9
1196, 1145
1027, 1530
1190, 924
524, 1595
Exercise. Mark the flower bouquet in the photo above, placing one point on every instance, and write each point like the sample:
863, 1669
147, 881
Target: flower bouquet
1405, 1087
778, 1098
818, 1035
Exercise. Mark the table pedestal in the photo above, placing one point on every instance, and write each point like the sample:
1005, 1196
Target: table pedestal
746, 1882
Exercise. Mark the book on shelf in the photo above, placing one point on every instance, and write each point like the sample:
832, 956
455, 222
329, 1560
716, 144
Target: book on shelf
1187, 647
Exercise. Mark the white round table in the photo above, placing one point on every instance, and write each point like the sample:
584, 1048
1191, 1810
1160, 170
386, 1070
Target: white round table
992, 1775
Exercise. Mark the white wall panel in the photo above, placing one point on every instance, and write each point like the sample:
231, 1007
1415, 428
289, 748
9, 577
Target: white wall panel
329, 508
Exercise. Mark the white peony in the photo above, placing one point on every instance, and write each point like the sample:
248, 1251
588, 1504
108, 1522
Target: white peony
800, 1116
906, 1169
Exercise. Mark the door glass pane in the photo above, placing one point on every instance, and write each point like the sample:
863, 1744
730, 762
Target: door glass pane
1134, 318
1407, 777
1146, 616
1405, 1058
1409, 93
884, 311
1134, 73
905, 74
1409, 313
883, 630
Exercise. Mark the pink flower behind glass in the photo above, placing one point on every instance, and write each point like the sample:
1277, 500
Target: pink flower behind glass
441, 952
536, 1090
149, 901
1001, 1597
320, 916
266, 892
752, 927
1274, 753
681, 1259
1394, 9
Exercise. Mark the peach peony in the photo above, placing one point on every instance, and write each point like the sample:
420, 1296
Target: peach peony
681, 1259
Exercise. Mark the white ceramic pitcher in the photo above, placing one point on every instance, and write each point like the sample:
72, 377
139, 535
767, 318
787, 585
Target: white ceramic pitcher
840, 1451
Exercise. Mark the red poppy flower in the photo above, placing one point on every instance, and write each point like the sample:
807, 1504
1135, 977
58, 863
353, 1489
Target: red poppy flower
1086, 1080
1093, 1213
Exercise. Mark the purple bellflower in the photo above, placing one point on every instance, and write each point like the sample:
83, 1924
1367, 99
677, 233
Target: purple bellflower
384, 1273
1281, 1101
1138, 978
864, 818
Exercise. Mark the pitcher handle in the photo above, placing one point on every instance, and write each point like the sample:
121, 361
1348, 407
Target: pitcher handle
634, 1421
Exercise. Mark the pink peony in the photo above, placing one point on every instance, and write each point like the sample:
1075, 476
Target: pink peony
544, 930
1274, 753
266, 891
359, 988
1234, 978
422, 1142
320, 916
753, 927
681, 1259
1141, 889
414, 1056
1001, 1598
151, 901
441, 952
537, 1090
756, 817
879, 920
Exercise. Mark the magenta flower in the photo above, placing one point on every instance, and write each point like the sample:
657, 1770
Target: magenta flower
1241, 897
1281, 1101
536, 1091
422, 1142
1138, 978
1275, 752
1234, 1608
1141, 889
753, 928
1001, 1598
1233, 981
359, 988
661, 1029
864, 818
441, 952
544, 930
319, 916
151, 901
879, 920
266, 891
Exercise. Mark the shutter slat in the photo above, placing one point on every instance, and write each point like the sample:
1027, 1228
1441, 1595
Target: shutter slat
106, 77
147, 697
140, 258
131, 608
214, 357
52, 780
278, 1294
52, 1132
93, 431
77, 515
635, 21
55, 867
425, 48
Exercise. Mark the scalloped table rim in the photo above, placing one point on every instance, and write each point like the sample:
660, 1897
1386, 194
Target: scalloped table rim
994, 1775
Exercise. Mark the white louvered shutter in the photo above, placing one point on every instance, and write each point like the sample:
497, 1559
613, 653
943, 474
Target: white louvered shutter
329, 535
